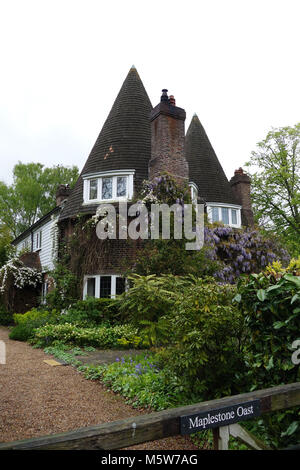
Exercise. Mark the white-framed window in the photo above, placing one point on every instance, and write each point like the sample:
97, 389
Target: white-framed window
194, 192
104, 285
38, 240
227, 214
107, 187
25, 245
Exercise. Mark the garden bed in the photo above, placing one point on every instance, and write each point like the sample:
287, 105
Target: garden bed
106, 356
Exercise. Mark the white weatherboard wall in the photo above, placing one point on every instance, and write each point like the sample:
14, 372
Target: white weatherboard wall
46, 252
25, 243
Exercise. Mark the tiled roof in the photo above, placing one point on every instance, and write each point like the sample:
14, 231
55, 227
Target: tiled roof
123, 143
204, 167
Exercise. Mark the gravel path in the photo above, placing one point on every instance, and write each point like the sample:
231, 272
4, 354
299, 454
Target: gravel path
37, 399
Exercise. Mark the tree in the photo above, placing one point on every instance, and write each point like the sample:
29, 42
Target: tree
276, 184
32, 193
6, 249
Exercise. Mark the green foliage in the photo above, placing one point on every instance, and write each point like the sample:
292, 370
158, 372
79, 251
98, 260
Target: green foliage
6, 318
171, 257
154, 333
100, 337
91, 311
271, 301
140, 381
6, 249
207, 331
66, 288
276, 184
148, 298
32, 193
27, 323
206, 345
62, 352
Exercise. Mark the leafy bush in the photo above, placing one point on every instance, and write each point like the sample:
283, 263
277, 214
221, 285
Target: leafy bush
21, 332
150, 297
207, 340
102, 337
91, 312
65, 289
26, 323
6, 318
271, 301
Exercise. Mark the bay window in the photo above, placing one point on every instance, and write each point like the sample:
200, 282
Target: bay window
224, 213
103, 286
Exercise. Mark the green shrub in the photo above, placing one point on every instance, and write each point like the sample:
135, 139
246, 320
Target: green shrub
65, 289
151, 297
26, 323
91, 312
101, 337
271, 301
6, 318
21, 332
206, 339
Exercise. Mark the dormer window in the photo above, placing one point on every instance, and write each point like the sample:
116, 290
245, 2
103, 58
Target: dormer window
110, 186
227, 214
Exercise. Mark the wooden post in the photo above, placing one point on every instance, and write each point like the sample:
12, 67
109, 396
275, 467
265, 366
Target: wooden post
216, 438
224, 437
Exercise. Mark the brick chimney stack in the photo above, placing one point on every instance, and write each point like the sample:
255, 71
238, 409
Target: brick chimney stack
240, 184
62, 193
167, 140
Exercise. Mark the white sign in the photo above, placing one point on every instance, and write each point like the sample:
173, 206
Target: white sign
2, 353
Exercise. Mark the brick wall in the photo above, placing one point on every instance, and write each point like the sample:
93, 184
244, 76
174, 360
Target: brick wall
240, 184
167, 141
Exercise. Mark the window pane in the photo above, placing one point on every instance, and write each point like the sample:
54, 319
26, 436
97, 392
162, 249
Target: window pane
105, 286
233, 216
106, 188
225, 215
93, 189
215, 214
121, 186
120, 285
91, 287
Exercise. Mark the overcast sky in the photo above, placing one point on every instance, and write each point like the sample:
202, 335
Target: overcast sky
233, 62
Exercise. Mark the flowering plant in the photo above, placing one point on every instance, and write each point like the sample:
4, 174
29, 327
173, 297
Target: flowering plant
20, 275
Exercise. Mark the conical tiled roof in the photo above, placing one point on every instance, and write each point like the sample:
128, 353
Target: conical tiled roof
204, 167
123, 143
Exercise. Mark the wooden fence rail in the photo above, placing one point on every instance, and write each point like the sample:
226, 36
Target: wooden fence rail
157, 425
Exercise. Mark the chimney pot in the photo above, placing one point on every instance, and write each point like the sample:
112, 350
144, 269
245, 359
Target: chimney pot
172, 100
164, 96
